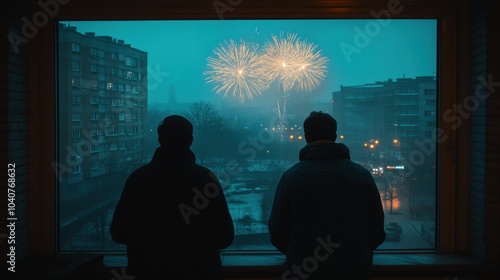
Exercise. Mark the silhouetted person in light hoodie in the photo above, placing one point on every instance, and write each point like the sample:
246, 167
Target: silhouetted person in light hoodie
327, 216
172, 214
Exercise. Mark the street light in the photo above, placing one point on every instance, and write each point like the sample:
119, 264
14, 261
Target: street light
397, 144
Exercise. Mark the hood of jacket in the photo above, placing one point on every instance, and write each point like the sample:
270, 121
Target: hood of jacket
163, 154
324, 150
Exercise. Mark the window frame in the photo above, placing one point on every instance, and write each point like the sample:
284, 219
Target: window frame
452, 235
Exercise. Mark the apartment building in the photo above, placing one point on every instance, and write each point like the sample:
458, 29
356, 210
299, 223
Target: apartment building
102, 102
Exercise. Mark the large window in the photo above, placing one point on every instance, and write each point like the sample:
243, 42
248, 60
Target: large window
247, 86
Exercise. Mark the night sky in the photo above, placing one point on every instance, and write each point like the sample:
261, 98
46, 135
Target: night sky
358, 51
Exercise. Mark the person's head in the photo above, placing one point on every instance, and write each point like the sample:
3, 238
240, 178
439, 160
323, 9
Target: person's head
320, 126
175, 131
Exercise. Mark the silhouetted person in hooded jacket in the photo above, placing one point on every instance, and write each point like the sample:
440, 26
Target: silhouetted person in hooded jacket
172, 214
327, 216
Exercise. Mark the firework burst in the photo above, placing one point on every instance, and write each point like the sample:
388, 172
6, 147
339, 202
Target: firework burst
237, 70
293, 64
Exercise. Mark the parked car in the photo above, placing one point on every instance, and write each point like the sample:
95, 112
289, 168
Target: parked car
393, 231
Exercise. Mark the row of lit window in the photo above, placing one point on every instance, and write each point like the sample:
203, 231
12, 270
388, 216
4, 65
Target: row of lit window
403, 122
109, 146
408, 101
407, 121
114, 102
100, 163
94, 52
110, 131
121, 88
406, 111
121, 130
390, 103
96, 164
127, 74
110, 86
118, 116
95, 68
407, 91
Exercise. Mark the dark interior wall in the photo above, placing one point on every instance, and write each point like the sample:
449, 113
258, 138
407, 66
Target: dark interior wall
492, 155
478, 50
483, 129
484, 134
14, 128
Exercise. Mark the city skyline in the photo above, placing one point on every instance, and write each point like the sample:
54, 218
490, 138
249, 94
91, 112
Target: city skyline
106, 131
358, 51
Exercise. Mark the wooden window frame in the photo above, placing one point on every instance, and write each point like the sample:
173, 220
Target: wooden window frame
452, 87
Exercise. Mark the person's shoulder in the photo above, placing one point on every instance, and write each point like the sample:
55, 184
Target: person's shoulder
202, 170
363, 174
139, 171
199, 167
360, 169
292, 170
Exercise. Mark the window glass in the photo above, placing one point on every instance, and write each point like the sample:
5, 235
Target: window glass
247, 86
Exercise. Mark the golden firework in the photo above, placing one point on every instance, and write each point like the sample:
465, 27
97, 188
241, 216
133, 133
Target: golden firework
293, 64
237, 70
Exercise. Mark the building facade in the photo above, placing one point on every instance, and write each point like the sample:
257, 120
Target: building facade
382, 121
102, 112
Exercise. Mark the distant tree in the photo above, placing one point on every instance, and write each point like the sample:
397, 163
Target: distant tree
204, 116
208, 127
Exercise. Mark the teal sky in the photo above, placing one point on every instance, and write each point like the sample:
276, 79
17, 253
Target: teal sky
359, 51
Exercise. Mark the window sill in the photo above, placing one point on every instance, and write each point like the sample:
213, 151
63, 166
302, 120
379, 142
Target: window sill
255, 266
398, 265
